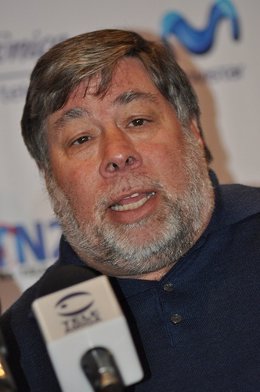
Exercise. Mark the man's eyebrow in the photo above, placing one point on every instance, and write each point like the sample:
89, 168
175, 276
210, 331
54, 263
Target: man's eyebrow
122, 99
69, 115
133, 95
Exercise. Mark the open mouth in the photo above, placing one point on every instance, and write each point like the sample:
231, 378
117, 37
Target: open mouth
132, 202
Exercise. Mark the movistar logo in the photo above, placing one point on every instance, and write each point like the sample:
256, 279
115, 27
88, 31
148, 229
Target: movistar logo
200, 41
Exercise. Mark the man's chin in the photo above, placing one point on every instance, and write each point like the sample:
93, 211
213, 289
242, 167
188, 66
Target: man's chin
136, 239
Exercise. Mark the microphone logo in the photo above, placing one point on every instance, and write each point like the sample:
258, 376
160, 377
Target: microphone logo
86, 304
77, 310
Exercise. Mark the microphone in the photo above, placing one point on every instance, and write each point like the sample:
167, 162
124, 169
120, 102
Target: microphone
86, 333
6, 380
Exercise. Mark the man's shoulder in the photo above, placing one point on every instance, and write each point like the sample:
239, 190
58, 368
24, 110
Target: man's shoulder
239, 201
20, 313
241, 192
27, 352
23, 303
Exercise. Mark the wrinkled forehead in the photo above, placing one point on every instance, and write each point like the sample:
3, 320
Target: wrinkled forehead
130, 83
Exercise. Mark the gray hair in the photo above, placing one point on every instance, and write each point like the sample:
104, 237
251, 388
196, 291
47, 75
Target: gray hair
64, 66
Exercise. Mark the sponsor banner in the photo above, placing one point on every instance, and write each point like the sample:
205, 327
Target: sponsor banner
215, 41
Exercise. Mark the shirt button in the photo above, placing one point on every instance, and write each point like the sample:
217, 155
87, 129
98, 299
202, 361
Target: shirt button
168, 287
176, 318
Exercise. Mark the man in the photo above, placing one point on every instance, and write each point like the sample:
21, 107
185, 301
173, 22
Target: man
114, 127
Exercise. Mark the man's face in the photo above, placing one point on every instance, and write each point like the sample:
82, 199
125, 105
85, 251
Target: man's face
131, 191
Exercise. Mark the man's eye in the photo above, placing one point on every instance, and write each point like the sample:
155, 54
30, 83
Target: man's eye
138, 122
81, 140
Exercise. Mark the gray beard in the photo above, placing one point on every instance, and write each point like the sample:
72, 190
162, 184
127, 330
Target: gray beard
178, 224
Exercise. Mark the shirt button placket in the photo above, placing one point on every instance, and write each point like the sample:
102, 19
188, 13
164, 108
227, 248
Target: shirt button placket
175, 318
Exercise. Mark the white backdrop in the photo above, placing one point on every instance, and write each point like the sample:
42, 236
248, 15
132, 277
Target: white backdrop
225, 76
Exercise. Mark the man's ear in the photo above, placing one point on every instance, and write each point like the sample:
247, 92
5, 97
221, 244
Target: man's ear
196, 132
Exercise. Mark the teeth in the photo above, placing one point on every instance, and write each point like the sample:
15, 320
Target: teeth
132, 206
133, 195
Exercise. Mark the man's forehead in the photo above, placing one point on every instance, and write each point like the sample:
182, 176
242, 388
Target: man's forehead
130, 82
129, 73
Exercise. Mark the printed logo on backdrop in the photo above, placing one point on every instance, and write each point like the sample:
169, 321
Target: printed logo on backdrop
26, 251
17, 58
77, 310
200, 41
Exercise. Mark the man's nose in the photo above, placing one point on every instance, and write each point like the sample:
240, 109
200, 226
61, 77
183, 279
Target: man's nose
119, 154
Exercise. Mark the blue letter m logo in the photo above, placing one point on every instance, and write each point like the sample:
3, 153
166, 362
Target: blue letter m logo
200, 41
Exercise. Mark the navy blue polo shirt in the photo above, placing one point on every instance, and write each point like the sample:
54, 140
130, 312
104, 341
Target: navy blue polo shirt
196, 330
199, 327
